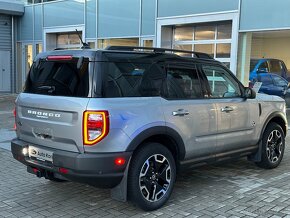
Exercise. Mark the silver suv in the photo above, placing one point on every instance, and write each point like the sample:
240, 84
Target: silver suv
127, 118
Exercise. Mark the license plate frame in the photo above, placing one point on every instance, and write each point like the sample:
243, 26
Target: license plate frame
40, 154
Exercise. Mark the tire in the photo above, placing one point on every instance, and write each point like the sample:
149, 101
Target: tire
152, 168
273, 146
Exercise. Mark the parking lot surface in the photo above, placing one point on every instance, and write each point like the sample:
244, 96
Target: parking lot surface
233, 189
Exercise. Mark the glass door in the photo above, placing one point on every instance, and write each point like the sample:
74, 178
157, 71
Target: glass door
147, 42
27, 60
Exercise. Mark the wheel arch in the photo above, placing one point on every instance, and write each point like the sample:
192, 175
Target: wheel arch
276, 117
163, 135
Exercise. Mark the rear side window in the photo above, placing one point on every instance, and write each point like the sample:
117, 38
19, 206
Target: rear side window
60, 78
132, 79
183, 83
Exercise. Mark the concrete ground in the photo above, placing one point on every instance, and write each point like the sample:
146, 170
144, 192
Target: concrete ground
236, 189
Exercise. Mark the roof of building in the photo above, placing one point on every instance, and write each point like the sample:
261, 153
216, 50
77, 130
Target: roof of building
11, 7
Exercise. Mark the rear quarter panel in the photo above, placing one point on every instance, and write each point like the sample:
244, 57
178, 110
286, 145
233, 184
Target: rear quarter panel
128, 118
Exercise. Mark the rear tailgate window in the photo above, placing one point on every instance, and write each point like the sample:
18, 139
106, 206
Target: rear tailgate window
51, 76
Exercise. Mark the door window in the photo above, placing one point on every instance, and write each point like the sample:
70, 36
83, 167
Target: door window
275, 66
263, 67
221, 82
183, 83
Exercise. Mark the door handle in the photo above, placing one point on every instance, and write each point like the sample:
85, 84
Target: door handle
227, 109
180, 112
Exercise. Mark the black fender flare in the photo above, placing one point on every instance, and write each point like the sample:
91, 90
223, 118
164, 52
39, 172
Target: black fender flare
273, 115
159, 130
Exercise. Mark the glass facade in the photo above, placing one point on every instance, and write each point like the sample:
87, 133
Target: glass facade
103, 43
68, 41
212, 38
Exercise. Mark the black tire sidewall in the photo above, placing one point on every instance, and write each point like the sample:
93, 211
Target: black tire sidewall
265, 162
136, 164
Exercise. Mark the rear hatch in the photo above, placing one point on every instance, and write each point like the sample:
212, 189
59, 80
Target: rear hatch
56, 93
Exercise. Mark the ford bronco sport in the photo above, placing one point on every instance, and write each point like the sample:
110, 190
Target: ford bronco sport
126, 118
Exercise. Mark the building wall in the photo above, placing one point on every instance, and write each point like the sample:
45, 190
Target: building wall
5, 32
272, 48
6, 45
264, 15
168, 8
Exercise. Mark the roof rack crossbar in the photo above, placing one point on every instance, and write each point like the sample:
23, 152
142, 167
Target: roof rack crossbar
159, 50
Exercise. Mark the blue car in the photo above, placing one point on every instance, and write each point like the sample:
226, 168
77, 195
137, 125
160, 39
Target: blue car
268, 65
273, 84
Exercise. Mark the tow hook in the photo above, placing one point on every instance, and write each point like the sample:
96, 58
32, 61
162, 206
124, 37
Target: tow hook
38, 173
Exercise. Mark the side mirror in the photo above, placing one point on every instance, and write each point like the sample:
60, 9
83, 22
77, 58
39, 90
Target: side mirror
262, 70
249, 93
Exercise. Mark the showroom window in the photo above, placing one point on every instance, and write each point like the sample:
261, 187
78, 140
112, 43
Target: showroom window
212, 38
68, 41
103, 43
38, 48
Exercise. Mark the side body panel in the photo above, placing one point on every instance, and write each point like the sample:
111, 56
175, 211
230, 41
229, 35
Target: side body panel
198, 128
237, 128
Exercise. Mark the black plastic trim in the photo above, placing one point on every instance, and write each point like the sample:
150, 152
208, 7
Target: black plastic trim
272, 116
159, 130
97, 169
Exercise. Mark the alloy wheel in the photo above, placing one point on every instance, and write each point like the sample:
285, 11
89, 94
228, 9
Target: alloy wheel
274, 146
155, 177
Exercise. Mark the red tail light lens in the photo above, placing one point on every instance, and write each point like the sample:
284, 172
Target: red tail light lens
59, 58
95, 126
14, 114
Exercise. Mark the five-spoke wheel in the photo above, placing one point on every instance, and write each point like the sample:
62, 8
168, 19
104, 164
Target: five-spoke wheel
151, 176
155, 177
273, 145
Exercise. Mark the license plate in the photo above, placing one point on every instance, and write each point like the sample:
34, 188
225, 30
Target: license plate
40, 154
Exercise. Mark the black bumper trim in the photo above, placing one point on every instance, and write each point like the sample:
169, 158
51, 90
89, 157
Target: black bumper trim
95, 169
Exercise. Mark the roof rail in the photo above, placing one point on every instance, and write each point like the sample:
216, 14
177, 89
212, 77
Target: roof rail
158, 50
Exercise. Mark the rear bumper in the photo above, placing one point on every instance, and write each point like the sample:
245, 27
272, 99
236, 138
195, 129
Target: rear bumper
94, 169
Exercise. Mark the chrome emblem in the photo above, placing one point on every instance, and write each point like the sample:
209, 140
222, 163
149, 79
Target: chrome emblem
44, 115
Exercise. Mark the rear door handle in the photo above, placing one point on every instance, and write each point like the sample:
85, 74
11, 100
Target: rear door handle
180, 112
227, 109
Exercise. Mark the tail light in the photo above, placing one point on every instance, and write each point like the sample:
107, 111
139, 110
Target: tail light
95, 126
14, 114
